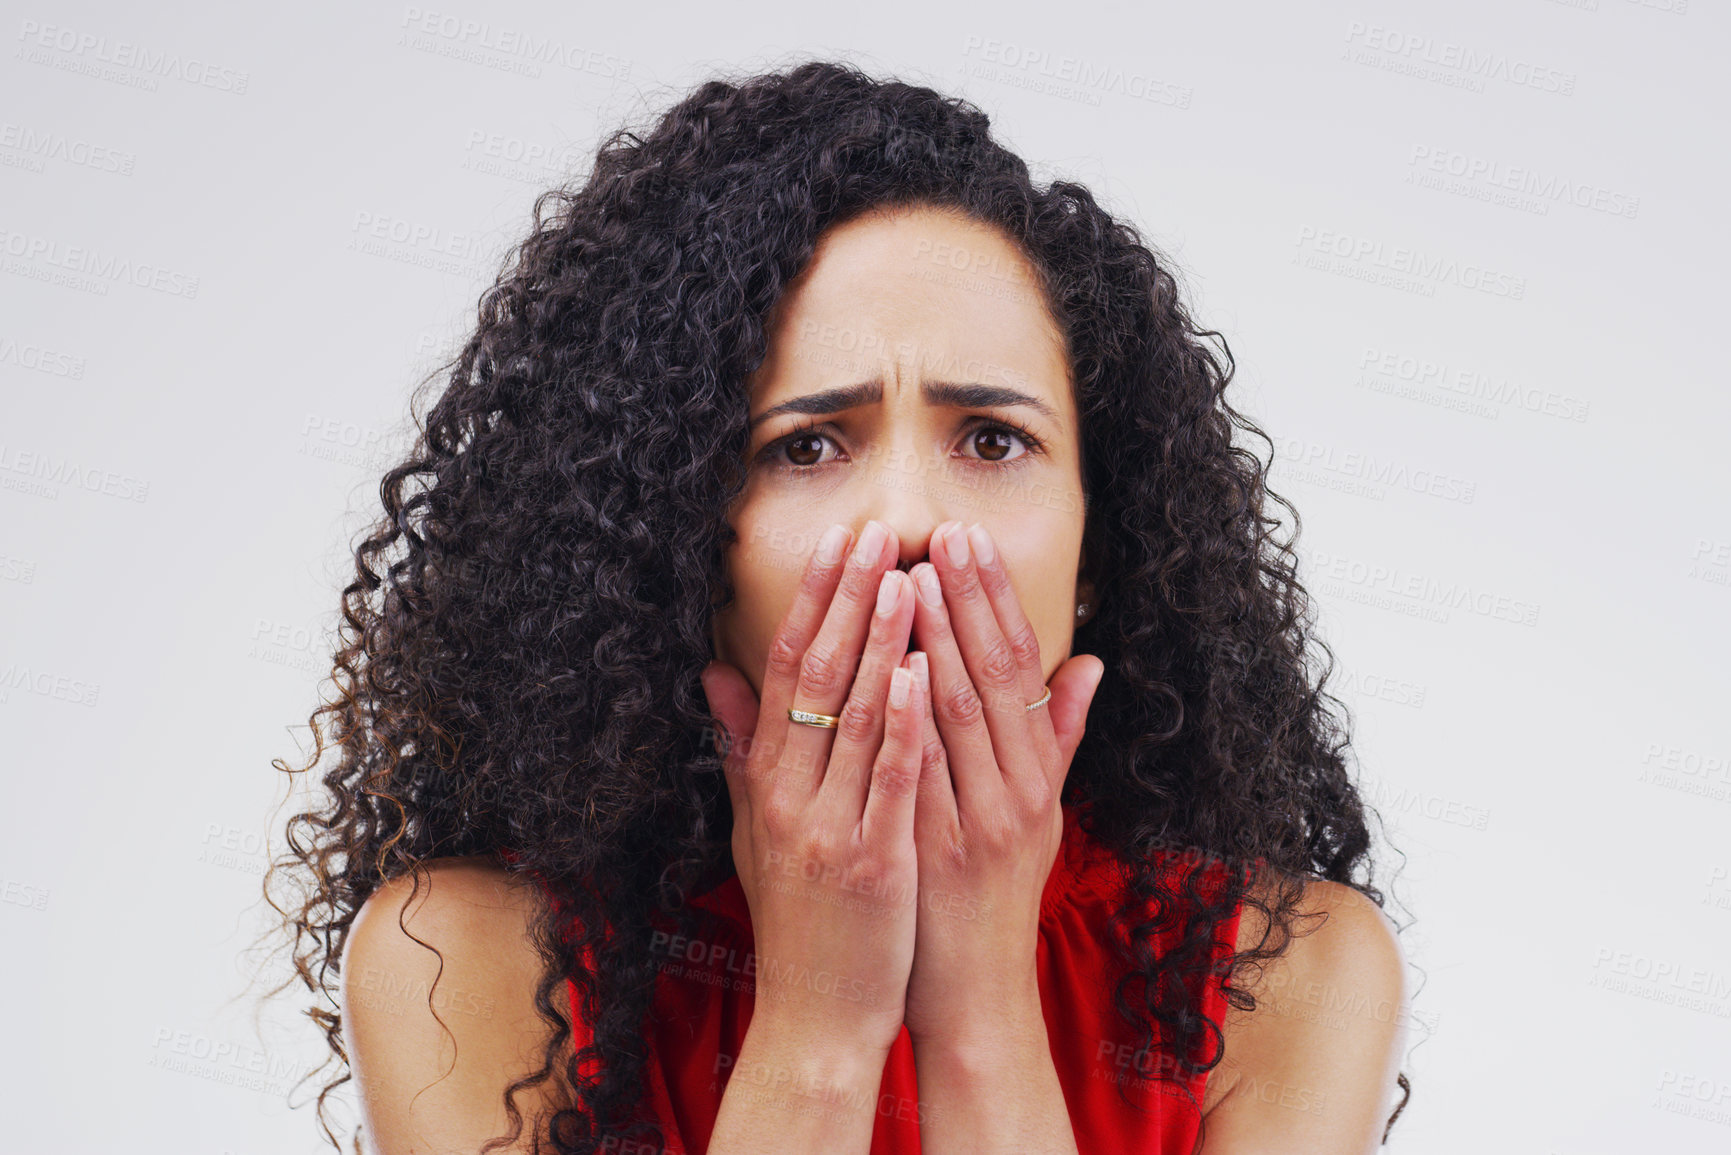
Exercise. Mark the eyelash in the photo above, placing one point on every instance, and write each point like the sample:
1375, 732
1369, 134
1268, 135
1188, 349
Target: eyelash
1035, 445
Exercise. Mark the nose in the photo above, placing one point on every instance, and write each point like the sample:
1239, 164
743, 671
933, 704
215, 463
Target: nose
913, 532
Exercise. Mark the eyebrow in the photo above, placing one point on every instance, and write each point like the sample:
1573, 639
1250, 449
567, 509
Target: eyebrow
953, 394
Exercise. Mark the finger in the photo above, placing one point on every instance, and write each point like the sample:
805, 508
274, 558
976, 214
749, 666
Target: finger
831, 662
887, 821
1024, 643
956, 708
847, 776
735, 710
1074, 687
935, 818
1001, 674
811, 603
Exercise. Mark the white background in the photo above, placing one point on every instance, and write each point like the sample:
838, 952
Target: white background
1514, 495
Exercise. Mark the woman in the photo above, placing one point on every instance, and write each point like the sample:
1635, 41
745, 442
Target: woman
824, 681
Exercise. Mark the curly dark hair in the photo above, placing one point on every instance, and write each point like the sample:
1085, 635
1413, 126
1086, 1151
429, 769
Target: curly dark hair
518, 657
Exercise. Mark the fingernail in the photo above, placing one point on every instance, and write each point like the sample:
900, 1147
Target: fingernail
922, 671
829, 546
926, 578
871, 543
982, 543
956, 545
899, 684
889, 590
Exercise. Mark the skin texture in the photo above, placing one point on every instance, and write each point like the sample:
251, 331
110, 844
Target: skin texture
435, 1084
1312, 1071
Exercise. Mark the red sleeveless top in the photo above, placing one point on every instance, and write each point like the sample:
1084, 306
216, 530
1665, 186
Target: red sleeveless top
703, 1004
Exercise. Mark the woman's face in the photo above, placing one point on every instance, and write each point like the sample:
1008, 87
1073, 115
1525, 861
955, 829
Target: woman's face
904, 345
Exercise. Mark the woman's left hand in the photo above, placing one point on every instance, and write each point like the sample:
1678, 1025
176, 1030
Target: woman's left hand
987, 822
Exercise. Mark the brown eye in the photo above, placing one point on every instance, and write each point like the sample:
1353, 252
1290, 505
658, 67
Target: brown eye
994, 442
797, 455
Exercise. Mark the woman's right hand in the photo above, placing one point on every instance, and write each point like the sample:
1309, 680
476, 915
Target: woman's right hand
823, 828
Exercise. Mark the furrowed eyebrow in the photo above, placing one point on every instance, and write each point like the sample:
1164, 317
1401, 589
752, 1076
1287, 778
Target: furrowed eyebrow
950, 394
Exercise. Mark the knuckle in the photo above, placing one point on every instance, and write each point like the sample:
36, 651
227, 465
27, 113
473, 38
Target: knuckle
1024, 645
859, 721
998, 664
785, 656
779, 816
960, 706
967, 583
1035, 800
996, 834
895, 780
821, 670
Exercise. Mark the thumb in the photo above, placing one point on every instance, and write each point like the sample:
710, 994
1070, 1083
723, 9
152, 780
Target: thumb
734, 707
1073, 690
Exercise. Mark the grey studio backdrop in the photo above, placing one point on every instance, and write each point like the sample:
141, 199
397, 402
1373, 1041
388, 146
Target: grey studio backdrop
1470, 258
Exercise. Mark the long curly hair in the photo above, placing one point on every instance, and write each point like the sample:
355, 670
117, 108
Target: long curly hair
517, 663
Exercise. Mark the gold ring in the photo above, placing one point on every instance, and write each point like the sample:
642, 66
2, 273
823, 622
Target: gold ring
1044, 698
806, 717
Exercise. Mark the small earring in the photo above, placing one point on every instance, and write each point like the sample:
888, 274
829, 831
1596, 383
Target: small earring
1082, 610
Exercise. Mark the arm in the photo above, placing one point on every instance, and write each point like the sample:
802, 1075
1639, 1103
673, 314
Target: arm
420, 1089
998, 1091
1312, 1070
794, 1090
423, 1092
988, 825
823, 842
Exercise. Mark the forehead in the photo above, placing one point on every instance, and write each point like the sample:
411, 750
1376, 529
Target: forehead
930, 293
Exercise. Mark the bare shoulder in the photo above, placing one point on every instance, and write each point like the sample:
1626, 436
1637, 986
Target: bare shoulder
438, 986
1314, 1065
